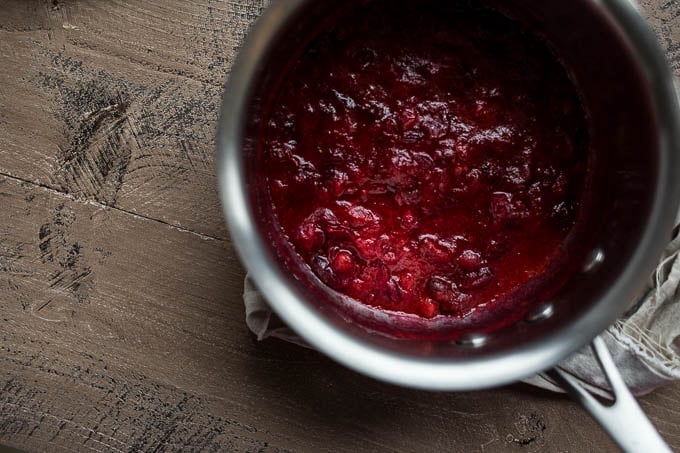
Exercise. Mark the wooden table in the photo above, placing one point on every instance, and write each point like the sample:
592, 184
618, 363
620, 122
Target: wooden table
121, 322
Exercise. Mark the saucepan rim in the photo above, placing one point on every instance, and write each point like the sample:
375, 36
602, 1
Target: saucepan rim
420, 372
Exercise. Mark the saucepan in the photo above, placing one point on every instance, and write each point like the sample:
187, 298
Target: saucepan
628, 90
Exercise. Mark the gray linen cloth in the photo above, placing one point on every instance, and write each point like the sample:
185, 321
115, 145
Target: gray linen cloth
645, 344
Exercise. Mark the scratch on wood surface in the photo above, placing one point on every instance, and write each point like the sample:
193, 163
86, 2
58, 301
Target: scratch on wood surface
44, 305
204, 237
69, 272
114, 109
12, 257
172, 417
63, 422
70, 197
94, 163
113, 124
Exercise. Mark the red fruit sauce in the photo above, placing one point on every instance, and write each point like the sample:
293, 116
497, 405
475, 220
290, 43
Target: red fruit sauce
425, 163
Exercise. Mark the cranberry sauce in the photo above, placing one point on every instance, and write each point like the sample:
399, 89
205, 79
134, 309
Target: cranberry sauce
426, 163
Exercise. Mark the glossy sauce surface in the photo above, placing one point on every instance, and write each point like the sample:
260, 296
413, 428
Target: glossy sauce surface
425, 164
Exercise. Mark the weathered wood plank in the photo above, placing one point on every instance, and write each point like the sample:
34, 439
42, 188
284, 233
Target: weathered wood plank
117, 101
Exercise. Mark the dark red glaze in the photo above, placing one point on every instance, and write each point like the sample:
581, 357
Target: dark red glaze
428, 165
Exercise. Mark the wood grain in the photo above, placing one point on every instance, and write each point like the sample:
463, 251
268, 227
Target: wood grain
117, 101
121, 323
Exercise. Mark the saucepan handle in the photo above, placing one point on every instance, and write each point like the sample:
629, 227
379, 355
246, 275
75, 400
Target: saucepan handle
623, 420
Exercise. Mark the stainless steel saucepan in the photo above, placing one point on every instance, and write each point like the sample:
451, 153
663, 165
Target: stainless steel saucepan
634, 188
